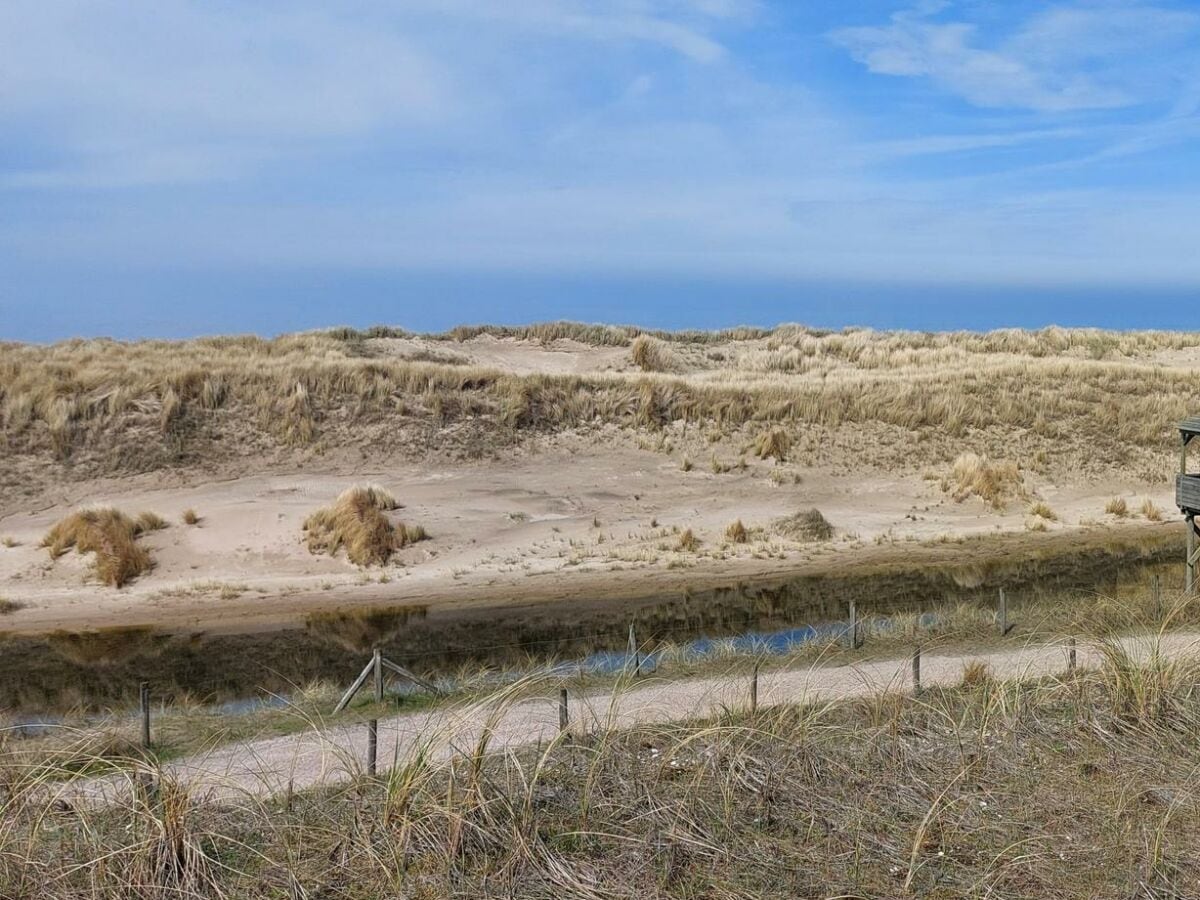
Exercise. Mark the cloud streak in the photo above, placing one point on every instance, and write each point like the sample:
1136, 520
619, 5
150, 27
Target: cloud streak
1063, 59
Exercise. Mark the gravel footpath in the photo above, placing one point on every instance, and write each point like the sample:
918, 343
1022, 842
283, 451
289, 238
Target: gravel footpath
328, 756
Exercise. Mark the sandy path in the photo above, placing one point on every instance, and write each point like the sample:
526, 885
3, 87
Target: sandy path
328, 756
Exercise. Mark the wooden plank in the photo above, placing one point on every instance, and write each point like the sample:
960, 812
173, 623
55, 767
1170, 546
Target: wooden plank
358, 683
1187, 492
404, 673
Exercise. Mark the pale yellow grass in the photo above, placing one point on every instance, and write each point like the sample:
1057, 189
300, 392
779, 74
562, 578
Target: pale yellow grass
1049, 385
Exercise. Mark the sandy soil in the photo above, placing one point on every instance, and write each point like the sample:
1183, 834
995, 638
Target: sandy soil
553, 516
499, 528
318, 757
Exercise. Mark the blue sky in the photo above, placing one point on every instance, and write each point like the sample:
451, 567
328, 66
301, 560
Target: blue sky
189, 166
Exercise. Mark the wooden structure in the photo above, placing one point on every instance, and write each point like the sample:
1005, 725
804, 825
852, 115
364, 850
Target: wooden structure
1187, 496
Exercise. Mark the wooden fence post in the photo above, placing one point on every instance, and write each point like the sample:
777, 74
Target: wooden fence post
852, 635
563, 711
1158, 607
1003, 615
754, 690
373, 725
916, 670
144, 701
1071, 655
634, 653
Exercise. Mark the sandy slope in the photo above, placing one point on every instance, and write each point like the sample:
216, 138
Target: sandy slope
584, 509
318, 757
571, 511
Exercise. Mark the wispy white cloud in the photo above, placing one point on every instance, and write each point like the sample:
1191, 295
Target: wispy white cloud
183, 90
1064, 58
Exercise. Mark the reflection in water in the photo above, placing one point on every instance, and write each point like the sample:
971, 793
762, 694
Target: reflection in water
362, 630
102, 669
106, 647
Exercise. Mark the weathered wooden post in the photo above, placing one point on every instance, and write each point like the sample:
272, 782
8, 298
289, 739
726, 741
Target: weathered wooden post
634, 653
144, 703
852, 632
1158, 607
563, 712
373, 725
1002, 616
1071, 655
916, 670
754, 690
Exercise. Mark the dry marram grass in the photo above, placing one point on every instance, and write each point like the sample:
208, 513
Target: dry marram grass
135, 406
111, 536
969, 790
356, 522
1042, 511
996, 482
736, 532
1117, 507
808, 525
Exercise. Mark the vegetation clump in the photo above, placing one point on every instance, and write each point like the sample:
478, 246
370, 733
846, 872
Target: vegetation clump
773, 442
111, 535
1043, 511
190, 517
688, 542
808, 525
1117, 507
996, 482
736, 532
1151, 512
651, 355
356, 522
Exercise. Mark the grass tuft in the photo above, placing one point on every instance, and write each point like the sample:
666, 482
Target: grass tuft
688, 542
774, 442
1151, 512
808, 525
1117, 507
736, 533
1042, 511
356, 521
111, 536
996, 482
190, 517
651, 355
9, 606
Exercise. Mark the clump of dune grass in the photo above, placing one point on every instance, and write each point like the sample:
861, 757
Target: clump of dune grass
976, 673
111, 536
9, 606
10, 542
996, 482
356, 522
735, 532
1042, 511
774, 442
1151, 512
1117, 507
688, 542
651, 355
807, 525
190, 517
150, 521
